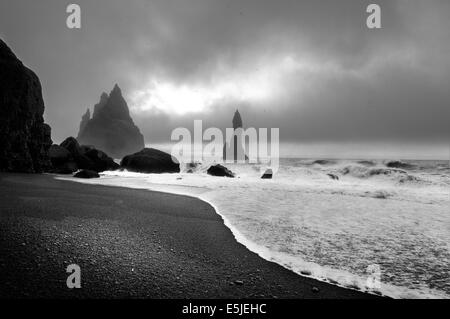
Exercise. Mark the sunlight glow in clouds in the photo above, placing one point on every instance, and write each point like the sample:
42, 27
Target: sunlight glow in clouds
260, 84
267, 81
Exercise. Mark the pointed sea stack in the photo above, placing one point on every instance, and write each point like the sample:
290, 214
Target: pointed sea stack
24, 137
84, 120
237, 120
111, 127
233, 150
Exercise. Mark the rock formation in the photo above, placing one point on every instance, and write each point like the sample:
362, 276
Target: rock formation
233, 150
62, 160
99, 160
150, 160
267, 174
84, 120
219, 170
111, 128
237, 120
70, 157
24, 137
97, 107
71, 144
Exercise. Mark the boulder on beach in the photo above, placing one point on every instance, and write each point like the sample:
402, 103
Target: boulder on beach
150, 160
219, 170
71, 144
59, 155
100, 160
111, 127
267, 174
69, 157
24, 137
85, 173
62, 160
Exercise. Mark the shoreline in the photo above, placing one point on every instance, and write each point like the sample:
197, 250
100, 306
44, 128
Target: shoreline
149, 244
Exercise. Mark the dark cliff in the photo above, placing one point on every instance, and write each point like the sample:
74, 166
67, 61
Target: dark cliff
24, 137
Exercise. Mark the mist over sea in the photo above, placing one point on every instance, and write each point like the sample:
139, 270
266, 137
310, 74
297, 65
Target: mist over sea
396, 218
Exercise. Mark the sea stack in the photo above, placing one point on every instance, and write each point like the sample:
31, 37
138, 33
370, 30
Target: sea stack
233, 150
237, 120
24, 137
111, 127
84, 120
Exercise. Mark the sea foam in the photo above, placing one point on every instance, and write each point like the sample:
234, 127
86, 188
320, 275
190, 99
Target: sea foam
331, 230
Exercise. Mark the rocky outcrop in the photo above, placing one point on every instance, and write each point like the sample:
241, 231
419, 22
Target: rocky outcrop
219, 170
85, 173
70, 157
24, 137
111, 127
233, 149
150, 160
237, 120
267, 174
97, 107
71, 144
62, 160
84, 120
99, 160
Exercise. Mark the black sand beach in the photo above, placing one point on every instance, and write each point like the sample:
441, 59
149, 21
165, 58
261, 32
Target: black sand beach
130, 244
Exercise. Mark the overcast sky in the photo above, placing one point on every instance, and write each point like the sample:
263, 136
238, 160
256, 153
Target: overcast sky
311, 68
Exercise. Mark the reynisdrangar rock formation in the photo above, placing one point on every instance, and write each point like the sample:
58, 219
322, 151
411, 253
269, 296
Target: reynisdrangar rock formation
24, 137
111, 127
233, 150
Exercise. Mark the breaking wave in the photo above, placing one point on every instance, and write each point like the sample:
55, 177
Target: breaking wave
331, 219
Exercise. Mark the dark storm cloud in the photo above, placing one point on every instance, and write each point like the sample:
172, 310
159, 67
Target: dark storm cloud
343, 82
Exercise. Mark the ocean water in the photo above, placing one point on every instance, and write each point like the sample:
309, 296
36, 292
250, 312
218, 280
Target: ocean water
376, 229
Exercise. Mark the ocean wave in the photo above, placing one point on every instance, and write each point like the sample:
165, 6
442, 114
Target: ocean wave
400, 164
392, 174
324, 162
329, 229
366, 162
